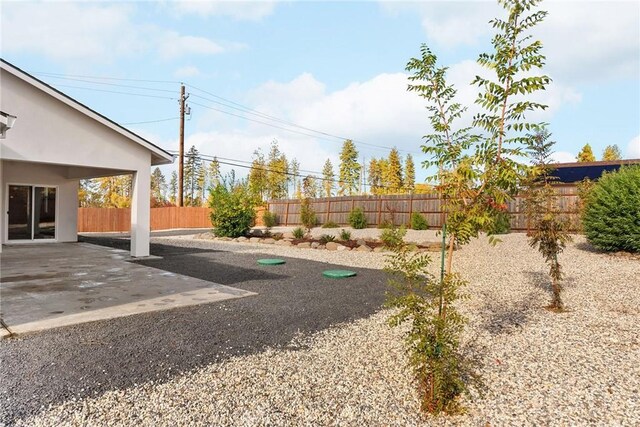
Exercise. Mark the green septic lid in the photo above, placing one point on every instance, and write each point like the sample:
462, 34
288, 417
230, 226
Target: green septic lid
338, 274
270, 261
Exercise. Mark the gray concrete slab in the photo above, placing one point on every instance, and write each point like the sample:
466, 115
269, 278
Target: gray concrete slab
50, 285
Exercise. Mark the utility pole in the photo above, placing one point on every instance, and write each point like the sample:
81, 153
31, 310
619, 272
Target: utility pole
181, 150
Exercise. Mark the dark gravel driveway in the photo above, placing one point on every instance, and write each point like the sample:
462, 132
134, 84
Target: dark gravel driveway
82, 360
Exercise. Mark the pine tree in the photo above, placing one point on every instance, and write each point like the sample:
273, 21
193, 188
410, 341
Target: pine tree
349, 169
586, 154
173, 187
158, 188
213, 173
277, 173
383, 165
327, 178
309, 186
393, 173
611, 153
192, 177
375, 177
258, 176
296, 184
409, 175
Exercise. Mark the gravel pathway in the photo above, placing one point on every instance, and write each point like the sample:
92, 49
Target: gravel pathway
581, 367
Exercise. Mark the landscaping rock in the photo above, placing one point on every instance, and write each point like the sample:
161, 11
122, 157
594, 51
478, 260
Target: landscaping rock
379, 249
361, 242
277, 236
242, 239
315, 245
343, 248
268, 241
332, 246
363, 248
283, 243
254, 240
288, 235
304, 245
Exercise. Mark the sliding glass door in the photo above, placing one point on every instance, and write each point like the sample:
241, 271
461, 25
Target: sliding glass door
32, 212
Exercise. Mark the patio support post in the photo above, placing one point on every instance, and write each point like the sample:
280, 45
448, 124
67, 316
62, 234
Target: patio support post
140, 212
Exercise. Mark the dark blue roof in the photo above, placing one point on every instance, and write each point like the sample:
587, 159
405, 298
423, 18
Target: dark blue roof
570, 174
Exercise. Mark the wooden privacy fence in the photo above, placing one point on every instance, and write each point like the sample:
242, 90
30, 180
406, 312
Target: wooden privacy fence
112, 219
399, 208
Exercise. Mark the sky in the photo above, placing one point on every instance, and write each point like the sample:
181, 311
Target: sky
335, 70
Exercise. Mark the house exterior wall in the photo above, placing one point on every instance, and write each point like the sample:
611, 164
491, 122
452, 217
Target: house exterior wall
47, 176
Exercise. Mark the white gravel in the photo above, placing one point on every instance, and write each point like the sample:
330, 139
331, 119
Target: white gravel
581, 367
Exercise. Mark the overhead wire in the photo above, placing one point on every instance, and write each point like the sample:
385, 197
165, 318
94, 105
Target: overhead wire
118, 92
113, 84
151, 121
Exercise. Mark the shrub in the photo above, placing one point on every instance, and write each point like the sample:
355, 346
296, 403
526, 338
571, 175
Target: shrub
357, 219
330, 224
345, 235
392, 238
501, 223
326, 238
233, 209
612, 215
270, 219
418, 222
298, 232
385, 224
307, 215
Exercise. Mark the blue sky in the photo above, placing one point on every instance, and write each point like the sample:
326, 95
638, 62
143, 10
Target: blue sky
334, 67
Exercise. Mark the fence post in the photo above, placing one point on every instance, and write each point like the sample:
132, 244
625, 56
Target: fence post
379, 210
328, 210
410, 207
286, 215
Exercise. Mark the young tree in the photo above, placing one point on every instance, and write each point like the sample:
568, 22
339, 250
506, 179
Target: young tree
277, 173
258, 176
611, 152
586, 154
409, 175
392, 174
296, 190
549, 231
375, 177
327, 178
349, 169
158, 188
192, 177
213, 173
476, 173
173, 187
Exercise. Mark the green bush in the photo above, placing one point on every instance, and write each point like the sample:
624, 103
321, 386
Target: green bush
298, 232
418, 222
307, 215
270, 219
345, 235
392, 237
357, 219
612, 216
326, 238
501, 223
330, 224
233, 209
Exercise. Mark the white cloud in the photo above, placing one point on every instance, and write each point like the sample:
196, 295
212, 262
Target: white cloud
187, 71
633, 148
563, 157
237, 9
96, 32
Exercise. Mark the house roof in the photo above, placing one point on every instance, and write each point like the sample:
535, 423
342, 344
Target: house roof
577, 171
158, 155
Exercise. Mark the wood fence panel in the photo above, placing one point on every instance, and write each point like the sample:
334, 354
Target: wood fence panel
111, 219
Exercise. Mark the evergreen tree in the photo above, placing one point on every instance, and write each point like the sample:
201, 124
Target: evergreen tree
296, 190
409, 175
392, 175
611, 153
375, 177
192, 177
213, 173
258, 176
277, 170
158, 188
328, 176
586, 154
349, 169
383, 165
309, 186
173, 187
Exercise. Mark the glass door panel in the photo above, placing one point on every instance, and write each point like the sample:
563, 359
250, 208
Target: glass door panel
20, 221
44, 213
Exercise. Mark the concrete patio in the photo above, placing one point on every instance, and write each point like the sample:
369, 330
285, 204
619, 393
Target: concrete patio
51, 285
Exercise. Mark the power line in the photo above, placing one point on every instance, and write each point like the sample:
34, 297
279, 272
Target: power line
106, 78
118, 92
151, 121
112, 84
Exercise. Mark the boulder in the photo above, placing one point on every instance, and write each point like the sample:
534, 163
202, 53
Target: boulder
379, 249
242, 239
343, 248
361, 242
254, 240
288, 235
332, 246
283, 243
304, 245
268, 241
363, 248
315, 245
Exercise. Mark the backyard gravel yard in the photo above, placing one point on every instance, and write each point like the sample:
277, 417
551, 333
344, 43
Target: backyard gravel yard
581, 367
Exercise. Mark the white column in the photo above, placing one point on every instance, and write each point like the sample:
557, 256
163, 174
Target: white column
140, 212
3, 208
